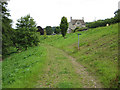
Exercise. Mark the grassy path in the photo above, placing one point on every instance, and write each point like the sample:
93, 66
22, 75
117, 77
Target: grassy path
62, 71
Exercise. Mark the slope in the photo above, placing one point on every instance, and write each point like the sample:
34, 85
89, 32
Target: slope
57, 62
98, 51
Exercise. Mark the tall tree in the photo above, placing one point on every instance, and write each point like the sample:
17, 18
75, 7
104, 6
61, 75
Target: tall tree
6, 29
26, 34
64, 26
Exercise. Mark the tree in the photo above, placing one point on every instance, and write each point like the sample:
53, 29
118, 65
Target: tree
6, 29
53, 28
49, 30
64, 26
26, 34
57, 30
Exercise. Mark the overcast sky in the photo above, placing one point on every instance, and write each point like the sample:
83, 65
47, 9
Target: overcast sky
49, 12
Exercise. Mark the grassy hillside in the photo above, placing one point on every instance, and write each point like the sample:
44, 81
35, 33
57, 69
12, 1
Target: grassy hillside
18, 68
98, 53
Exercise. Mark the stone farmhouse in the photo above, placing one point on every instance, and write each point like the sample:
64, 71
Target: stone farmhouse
75, 23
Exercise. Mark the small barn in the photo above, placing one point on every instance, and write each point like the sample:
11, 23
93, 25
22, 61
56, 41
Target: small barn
41, 30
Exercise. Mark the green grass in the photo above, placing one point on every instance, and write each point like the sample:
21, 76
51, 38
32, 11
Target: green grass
65, 85
98, 51
21, 69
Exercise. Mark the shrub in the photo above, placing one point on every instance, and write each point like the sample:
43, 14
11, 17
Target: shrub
80, 29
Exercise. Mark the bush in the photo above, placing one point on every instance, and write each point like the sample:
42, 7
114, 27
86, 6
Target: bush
80, 29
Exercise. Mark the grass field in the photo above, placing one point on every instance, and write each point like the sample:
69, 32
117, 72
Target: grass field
47, 66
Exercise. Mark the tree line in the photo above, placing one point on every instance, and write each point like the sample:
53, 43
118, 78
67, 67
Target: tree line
99, 23
51, 30
25, 35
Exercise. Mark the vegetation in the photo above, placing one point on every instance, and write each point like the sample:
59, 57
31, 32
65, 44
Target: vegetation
6, 29
53, 28
49, 30
57, 62
21, 70
64, 26
100, 23
25, 34
80, 29
57, 30
98, 53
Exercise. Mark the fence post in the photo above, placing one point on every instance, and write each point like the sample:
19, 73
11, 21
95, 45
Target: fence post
78, 41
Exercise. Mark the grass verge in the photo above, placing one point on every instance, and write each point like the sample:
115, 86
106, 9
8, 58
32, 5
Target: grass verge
21, 70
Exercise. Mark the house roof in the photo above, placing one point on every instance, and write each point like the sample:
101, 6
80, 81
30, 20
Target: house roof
76, 20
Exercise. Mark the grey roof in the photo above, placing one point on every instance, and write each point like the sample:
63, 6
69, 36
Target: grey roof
75, 20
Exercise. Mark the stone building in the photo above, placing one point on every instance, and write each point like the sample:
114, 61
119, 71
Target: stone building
75, 23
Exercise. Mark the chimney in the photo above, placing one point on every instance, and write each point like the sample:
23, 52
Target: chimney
70, 19
83, 18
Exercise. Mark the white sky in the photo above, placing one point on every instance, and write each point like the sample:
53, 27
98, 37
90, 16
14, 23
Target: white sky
50, 12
